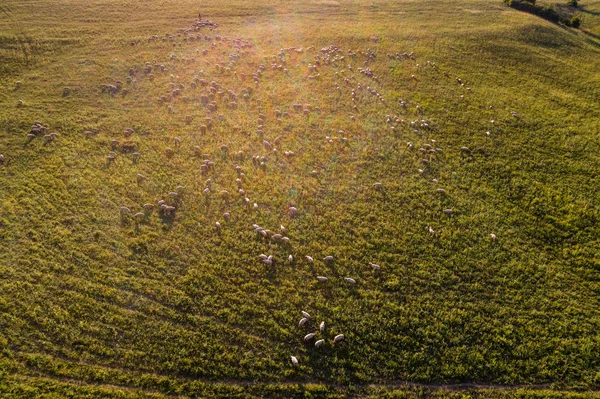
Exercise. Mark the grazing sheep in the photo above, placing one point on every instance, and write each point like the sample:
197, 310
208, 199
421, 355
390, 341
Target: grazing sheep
448, 211
338, 338
375, 267
305, 314
309, 336
136, 156
328, 258
349, 280
124, 209
378, 185
293, 211
310, 259
322, 279
177, 141
227, 216
493, 237
322, 326
319, 343
148, 207
218, 226
294, 361
440, 191
290, 258
139, 215
303, 321
431, 231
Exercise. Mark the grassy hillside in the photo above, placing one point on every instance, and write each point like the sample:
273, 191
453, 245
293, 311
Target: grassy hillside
406, 110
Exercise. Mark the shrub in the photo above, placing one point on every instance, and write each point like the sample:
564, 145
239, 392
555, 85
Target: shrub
575, 21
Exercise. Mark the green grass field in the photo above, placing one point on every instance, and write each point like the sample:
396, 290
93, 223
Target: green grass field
500, 298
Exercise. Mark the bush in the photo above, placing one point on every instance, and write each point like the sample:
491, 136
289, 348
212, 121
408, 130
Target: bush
575, 21
572, 3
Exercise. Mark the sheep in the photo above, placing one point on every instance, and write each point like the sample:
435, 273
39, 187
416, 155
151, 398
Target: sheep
148, 207
283, 230
328, 258
322, 326
378, 185
136, 156
293, 211
177, 141
338, 338
124, 209
448, 211
169, 152
303, 321
227, 216
440, 191
309, 336
305, 314
431, 231
139, 215
140, 178
218, 226
349, 280
291, 259
294, 361
375, 267
513, 113
319, 343
310, 259
322, 279
285, 240
493, 237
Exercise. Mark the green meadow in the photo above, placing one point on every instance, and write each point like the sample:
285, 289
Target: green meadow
444, 153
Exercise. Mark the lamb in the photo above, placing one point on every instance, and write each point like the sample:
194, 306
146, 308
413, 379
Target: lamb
338, 338
309, 336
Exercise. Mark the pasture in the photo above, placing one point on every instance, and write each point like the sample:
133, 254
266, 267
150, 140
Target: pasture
177, 189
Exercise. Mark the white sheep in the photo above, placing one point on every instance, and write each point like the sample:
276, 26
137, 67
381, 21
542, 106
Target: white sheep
319, 343
309, 336
322, 279
303, 321
322, 326
375, 267
310, 259
338, 338
294, 361
305, 314
349, 280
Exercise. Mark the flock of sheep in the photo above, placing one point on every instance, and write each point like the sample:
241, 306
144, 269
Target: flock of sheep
213, 92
